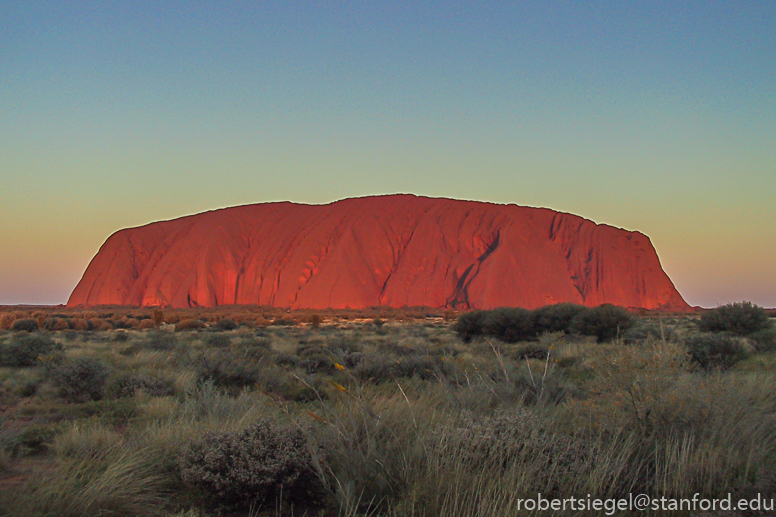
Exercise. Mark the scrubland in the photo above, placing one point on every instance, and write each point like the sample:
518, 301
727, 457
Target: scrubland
255, 411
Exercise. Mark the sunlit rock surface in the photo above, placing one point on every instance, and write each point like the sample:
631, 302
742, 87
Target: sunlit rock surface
387, 250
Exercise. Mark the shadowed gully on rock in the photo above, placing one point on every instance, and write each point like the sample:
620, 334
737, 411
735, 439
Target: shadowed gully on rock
397, 250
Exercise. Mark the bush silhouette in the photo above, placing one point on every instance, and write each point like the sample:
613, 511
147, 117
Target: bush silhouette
556, 318
737, 318
510, 324
605, 322
470, 325
226, 324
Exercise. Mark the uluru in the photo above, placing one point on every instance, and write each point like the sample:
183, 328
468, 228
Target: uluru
394, 250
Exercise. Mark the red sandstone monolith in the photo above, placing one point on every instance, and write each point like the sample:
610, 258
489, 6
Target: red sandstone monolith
397, 250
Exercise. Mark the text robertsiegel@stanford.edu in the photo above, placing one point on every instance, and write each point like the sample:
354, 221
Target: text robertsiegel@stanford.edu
644, 503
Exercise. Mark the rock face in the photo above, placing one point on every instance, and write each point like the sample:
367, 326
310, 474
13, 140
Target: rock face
387, 250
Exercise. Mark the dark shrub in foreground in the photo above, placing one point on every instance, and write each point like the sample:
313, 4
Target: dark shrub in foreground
81, 380
605, 322
470, 325
510, 324
256, 465
738, 318
26, 350
716, 350
556, 318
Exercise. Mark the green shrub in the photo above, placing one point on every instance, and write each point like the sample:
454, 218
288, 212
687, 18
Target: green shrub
115, 412
128, 384
24, 325
647, 329
34, 438
470, 325
510, 324
226, 324
28, 388
188, 325
218, 340
260, 464
226, 369
605, 322
379, 368
764, 340
556, 318
55, 324
27, 350
531, 351
713, 351
161, 341
283, 322
81, 379
318, 362
738, 318
155, 340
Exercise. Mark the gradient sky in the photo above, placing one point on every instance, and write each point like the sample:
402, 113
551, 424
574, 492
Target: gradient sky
650, 116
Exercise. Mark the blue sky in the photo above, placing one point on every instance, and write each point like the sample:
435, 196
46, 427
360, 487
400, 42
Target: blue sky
658, 117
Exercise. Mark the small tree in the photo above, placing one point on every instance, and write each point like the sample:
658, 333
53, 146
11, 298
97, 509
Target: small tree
510, 324
158, 317
737, 318
556, 318
470, 325
605, 322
